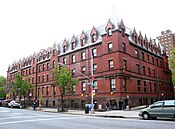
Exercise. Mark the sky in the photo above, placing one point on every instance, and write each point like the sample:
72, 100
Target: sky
26, 26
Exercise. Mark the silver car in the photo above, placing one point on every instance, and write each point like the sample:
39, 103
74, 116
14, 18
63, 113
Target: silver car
164, 108
14, 104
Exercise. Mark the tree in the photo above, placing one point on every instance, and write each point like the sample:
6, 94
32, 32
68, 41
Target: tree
64, 82
2, 87
172, 63
21, 87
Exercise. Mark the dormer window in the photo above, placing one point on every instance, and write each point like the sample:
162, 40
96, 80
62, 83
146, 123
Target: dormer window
73, 45
64, 48
82, 42
54, 52
109, 32
93, 37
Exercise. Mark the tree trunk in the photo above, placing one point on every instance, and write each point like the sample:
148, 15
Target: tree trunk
62, 103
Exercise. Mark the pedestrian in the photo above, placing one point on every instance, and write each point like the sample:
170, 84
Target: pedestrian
34, 105
107, 106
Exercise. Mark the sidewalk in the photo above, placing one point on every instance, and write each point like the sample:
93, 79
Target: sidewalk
111, 113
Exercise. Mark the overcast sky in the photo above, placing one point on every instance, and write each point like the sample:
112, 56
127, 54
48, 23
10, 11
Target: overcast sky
26, 26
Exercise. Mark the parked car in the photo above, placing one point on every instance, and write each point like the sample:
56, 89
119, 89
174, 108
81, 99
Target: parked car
5, 103
14, 103
164, 108
1, 101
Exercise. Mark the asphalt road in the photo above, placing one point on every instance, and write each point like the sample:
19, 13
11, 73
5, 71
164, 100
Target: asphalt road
27, 119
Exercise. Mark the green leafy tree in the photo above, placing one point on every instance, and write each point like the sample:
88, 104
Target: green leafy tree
64, 82
172, 63
21, 87
2, 87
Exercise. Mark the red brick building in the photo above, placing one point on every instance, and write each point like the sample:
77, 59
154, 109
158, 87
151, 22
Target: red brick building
127, 68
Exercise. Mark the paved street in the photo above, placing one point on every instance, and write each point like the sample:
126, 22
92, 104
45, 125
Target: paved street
28, 119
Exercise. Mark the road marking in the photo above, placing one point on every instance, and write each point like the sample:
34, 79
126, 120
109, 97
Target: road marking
34, 120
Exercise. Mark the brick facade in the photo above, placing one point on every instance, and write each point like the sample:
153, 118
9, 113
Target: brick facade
127, 68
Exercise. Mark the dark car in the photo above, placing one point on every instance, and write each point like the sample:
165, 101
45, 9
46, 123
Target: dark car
5, 103
1, 101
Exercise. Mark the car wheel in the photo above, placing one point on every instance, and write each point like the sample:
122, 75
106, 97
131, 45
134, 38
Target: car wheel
145, 116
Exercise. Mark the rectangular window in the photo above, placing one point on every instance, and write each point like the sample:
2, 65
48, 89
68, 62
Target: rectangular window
64, 60
137, 68
83, 84
157, 62
95, 87
83, 69
147, 58
47, 77
43, 67
111, 64
109, 47
64, 48
93, 37
143, 56
47, 90
161, 63
155, 87
124, 84
112, 84
138, 86
73, 89
123, 47
150, 87
54, 90
137, 53
39, 68
43, 78
54, 63
33, 70
73, 45
124, 64
39, 79
73, 72
29, 71
149, 72
38, 91
73, 58
143, 70
144, 86
32, 80
83, 56
152, 60
154, 74
94, 67
109, 32
48, 65
42, 90
82, 42
94, 52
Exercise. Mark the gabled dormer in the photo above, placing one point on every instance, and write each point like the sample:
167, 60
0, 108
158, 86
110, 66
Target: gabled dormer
65, 45
83, 39
93, 35
73, 43
54, 50
135, 36
146, 41
140, 39
122, 27
150, 44
159, 49
155, 47
109, 28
